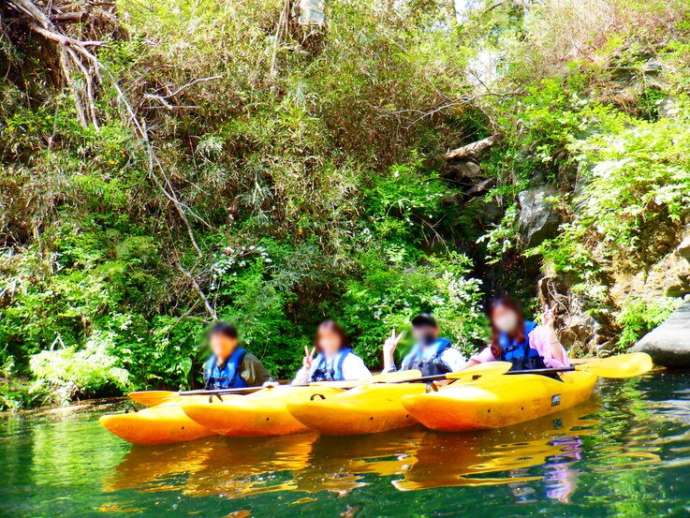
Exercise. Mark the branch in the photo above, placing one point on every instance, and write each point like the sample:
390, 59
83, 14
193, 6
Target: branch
209, 308
473, 149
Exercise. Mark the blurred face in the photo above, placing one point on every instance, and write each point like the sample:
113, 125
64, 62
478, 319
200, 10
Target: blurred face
425, 334
505, 319
222, 346
329, 342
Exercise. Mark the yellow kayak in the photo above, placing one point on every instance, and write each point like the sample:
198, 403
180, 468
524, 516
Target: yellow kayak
364, 409
162, 424
262, 413
499, 401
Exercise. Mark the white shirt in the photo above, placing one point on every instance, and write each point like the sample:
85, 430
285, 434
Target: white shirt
353, 369
452, 357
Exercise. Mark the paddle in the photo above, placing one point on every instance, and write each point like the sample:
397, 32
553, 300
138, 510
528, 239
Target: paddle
620, 366
156, 397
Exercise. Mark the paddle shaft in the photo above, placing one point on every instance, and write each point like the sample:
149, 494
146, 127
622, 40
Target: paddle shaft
422, 379
437, 377
543, 371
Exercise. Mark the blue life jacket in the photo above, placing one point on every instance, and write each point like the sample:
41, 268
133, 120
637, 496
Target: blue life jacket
520, 354
323, 372
427, 358
226, 376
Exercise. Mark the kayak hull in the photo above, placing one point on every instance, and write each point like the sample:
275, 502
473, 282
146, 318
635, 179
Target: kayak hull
362, 410
500, 401
163, 424
263, 413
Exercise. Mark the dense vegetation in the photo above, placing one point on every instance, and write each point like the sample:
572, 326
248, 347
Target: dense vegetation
231, 162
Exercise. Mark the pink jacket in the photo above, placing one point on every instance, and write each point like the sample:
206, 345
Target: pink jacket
544, 340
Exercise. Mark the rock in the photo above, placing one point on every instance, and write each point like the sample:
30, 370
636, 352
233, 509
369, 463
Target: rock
468, 169
667, 277
578, 330
669, 108
537, 220
311, 12
669, 344
653, 66
683, 248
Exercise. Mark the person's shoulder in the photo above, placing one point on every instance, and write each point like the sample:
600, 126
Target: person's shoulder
453, 351
353, 358
445, 344
530, 326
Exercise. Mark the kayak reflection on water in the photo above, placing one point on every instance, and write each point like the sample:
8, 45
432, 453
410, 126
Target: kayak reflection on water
414, 458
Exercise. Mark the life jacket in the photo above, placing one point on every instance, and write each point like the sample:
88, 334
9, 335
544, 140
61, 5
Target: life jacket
227, 376
427, 358
334, 372
520, 354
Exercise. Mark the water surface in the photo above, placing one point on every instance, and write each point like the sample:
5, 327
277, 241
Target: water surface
625, 453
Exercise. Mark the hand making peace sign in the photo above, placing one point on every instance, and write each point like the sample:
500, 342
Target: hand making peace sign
308, 357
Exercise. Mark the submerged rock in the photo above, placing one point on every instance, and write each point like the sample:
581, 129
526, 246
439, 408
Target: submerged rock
669, 344
538, 219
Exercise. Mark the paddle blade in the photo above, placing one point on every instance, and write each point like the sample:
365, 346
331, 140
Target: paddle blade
620, 366
151, 397
480, 371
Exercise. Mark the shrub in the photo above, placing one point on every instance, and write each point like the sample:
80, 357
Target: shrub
72, 373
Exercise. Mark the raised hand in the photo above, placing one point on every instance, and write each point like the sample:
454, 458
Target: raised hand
391, 343
550, 317
308, 357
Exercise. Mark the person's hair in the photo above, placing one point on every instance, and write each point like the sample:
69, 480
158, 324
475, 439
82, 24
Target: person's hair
223, 328
505, 302
330, 326
424, 319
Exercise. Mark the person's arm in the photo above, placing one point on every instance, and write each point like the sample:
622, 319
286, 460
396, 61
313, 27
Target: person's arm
389, 347
304, 374
302, 377
354, 368
454, 359
545, 341
253, 371
482, 357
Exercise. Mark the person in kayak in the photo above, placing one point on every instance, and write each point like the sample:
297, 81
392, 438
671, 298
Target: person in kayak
431, 353
335, 360
522, 342
231, 366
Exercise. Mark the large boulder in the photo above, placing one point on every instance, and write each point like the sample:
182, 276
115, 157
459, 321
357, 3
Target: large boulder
538, 220
669, 344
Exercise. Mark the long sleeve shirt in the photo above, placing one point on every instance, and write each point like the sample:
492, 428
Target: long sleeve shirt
353, 369
543, 339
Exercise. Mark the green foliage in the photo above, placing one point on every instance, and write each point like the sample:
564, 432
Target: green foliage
636, 184
639, 316
90, 371
308, 172
393, 289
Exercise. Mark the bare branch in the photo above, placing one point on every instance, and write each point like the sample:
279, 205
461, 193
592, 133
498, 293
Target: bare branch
473, 149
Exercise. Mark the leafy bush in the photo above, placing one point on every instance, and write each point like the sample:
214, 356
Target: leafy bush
638, 317
635, 183
71, 373
393, 290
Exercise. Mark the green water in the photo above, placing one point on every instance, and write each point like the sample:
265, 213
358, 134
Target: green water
627, 453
